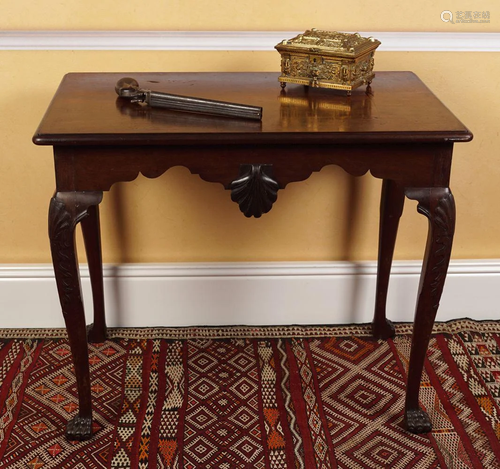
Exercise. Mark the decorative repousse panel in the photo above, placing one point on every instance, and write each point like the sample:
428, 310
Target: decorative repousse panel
330, 42
326, 69
255, 190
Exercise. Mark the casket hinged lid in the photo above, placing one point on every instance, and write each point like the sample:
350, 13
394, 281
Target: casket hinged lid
327, 59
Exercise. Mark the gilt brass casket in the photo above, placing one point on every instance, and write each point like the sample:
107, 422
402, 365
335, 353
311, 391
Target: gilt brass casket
327, 59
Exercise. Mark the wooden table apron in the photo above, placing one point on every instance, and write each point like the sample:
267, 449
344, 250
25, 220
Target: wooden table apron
415, 166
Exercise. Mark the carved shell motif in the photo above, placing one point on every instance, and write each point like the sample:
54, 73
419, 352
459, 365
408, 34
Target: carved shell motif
255, 190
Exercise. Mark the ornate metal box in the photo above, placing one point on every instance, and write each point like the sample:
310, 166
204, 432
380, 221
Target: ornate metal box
327, 59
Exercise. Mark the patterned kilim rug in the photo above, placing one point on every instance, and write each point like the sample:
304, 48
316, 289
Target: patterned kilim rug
252, 397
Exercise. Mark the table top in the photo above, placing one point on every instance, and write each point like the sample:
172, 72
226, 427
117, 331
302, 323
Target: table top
399, 108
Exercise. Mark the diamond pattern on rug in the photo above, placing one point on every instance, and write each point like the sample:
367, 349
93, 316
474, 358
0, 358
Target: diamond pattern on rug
170, 410
131, 400
316, 424
222, 414
362, 407
50, 400
253, 398
484, 352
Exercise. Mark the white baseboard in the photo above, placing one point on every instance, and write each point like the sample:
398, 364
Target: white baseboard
247, 293
234, 40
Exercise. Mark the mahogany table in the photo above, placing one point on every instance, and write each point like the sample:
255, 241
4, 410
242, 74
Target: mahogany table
398, 130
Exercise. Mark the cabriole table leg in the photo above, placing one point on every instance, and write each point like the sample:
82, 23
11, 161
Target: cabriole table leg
438, 205
66, 210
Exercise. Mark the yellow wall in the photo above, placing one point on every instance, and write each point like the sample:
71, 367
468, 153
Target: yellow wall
250, 15
178, 217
